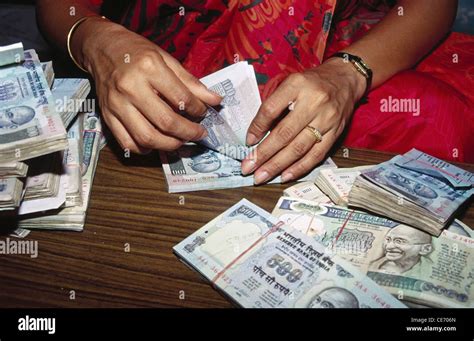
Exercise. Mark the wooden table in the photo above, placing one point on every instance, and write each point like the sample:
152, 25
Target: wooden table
131, 207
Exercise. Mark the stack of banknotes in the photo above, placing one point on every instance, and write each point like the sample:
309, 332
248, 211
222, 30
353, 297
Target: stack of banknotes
315, 254
337, 183
415, 188
48, 151
260, 259
215, 162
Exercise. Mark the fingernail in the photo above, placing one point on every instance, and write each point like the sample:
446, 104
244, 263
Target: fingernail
251, 139
204, 135
216, 95
261, 177
248, 166
285, 177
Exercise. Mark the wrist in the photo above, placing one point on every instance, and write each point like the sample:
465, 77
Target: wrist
86, 39
356, 81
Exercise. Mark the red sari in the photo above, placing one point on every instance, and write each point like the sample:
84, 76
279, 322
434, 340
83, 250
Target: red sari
279, 37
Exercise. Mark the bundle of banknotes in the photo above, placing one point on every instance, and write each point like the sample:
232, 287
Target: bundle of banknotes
260, 262
415, 188
260, 259
309, 254
48, 151
215, 162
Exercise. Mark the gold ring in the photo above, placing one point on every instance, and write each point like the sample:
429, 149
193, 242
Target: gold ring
316, 133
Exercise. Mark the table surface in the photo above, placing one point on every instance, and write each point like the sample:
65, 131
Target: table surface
130, 205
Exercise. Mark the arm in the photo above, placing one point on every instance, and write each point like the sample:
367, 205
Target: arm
140, 87
399, 41
325, 96
65, 13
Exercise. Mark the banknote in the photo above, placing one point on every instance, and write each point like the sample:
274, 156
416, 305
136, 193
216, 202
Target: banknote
196, 168
337, 182
72, 159
70, 97
10, 193
20, 233
399, 189
409, 263
11, 54
29, 123
259, 262
423, 190
227, 126
46, 187
420, 162
48, 72
307, 190
43, 177
16, 169
73, 218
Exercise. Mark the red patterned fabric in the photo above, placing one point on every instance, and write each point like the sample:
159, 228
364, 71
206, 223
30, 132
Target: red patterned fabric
278, 37
283, 36
442, 84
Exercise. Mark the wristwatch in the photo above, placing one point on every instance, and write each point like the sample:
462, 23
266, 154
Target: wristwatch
359, 65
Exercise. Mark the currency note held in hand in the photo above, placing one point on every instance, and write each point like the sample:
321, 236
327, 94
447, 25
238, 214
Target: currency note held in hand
227, 128
196, 168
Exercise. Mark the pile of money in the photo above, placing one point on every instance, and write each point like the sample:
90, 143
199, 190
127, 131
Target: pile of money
29, 124
307, 190
70, 95
415, 188
215, 162
10, 193
410, 264
259, 262
13, 169
46, 170
72, 214
336, 183
258, 259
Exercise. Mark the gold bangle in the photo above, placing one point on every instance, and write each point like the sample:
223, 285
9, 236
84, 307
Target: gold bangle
69, 37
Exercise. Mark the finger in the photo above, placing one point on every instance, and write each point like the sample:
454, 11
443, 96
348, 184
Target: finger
143, 132
189, 80
122, 136
199, 89
270, 110
315, 155
165, 119
303, 142
285, 131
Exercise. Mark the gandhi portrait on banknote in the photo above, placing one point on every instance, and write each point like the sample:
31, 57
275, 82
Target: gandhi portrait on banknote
206, 162
334, 297
15, 117
406, 249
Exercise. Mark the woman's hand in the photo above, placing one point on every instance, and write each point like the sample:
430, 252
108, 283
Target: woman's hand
323, 98
142, 89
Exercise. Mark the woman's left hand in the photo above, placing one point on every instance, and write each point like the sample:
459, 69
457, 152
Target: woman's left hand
323, 98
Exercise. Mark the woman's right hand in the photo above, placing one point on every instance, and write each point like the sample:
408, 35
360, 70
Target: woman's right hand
142, 89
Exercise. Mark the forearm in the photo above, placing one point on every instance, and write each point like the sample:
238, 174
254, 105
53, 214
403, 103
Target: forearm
55, 19
399, 41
